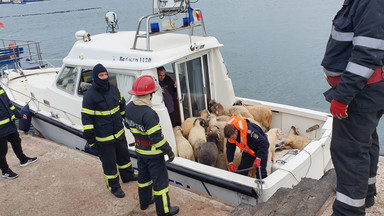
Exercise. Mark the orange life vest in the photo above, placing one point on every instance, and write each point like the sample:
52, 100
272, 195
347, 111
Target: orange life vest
241, 125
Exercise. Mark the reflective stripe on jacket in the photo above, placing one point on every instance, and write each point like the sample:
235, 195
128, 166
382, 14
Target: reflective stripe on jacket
8, 113
144, 124
354, 51
103, 112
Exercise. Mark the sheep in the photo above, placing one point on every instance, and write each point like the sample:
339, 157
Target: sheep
273, 135
217, 127
295, 141
240, 111
197, 135
208, 151
262, 114
238, 103
216, 108
188, 123
184, 148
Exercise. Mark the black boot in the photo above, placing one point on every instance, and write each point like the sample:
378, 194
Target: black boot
173, 211
134, 178
118, 193
369, 201
143, 207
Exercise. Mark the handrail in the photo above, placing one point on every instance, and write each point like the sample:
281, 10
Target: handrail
13, 51
39, 103
147, 34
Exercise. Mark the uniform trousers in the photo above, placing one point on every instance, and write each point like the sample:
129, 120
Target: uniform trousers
355, 154
111, 154
247, 162
153, 173
15, 141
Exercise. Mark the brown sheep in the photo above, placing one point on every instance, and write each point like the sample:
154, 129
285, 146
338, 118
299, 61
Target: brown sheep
262, 114
295, 141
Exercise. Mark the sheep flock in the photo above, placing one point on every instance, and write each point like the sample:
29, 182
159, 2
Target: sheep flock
201, 139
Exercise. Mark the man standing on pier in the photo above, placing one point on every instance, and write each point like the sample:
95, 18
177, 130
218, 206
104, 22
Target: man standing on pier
150, 146
102, 116
353, 65
8, 132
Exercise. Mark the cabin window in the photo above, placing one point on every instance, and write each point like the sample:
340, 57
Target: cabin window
123, 82
67, 80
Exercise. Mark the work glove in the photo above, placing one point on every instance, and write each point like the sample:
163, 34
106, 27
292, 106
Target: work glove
170, 154
338, 109
257, 162
232, 167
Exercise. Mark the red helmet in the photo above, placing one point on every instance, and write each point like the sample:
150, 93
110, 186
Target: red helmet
143, 85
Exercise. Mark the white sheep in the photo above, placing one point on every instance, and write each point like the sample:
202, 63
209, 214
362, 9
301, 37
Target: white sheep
197, 135
208, 152
188, 123
295, 141
274, 135
184, 148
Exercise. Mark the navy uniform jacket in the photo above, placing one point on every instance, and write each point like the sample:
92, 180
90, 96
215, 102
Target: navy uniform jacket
257, 140
354, 50
102, 115
144, 124
8, 113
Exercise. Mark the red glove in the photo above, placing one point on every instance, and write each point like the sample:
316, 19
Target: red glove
338, 109
232, 167
257, 162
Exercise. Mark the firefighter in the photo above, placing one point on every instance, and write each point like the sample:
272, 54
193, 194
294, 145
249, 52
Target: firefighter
252, 140
353, 64
150, 146
102, 117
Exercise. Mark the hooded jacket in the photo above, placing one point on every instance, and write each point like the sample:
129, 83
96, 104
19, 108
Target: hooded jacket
102, 111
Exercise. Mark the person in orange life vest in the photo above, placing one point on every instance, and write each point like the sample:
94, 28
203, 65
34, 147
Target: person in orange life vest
253, 142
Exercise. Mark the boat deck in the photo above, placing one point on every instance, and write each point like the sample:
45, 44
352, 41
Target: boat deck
69, 182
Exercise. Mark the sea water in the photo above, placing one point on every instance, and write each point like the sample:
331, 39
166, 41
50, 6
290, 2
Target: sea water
272, 48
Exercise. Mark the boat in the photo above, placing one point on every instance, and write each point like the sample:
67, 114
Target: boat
193, 59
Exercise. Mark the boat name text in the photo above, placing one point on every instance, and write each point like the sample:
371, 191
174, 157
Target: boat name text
135, 59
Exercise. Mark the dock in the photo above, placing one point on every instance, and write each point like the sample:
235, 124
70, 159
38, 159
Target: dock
66, 182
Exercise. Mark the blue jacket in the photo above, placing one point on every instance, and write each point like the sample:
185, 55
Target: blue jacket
257, 140
8, 113
144, 124
102, 115
354, 50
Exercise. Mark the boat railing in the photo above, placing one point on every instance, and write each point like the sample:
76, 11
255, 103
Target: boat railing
20, 54
150, 32
38, 104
